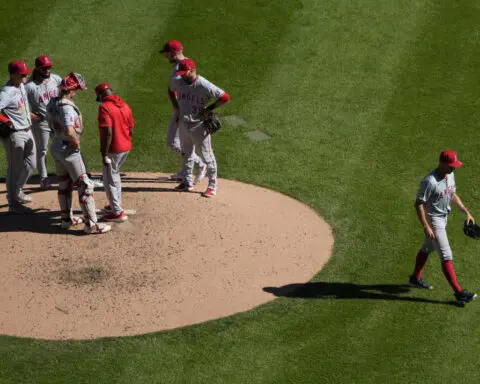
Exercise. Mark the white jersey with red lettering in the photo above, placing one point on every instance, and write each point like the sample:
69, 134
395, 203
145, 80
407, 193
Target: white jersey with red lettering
60, 114
193, 98
14, 105
436, 192
40, 92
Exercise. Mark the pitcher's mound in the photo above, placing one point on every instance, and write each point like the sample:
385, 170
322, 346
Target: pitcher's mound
180, 259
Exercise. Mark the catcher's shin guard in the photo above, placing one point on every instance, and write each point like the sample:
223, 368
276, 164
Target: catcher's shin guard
65, 189
85, 197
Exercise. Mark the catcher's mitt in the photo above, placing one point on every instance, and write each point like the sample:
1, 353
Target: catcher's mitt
212, 124
5, 130
471, 230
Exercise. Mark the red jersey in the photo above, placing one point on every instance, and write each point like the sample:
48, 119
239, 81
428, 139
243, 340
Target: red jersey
115, 113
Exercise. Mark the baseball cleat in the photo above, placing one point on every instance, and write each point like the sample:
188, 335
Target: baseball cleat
19, 209
210, 192
45, 184
105, 210
418, 283
182, 187
97, 183
464, 297
202, 171
71, 222
97, 229
176, 177
116, 218
24, 199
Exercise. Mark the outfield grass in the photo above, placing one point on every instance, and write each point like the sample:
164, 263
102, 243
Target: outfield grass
359, 98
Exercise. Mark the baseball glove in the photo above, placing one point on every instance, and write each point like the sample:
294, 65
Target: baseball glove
5, 130
212, 124
471, 230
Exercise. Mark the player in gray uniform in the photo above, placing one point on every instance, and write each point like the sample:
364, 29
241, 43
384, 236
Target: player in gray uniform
437, 191
41, 87
194, 92
173, 50
19, 145
65, 120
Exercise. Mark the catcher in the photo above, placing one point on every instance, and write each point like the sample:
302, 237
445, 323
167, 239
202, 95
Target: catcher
197, 122
437, 191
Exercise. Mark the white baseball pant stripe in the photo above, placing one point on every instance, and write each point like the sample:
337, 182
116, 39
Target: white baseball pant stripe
41, 133
20, 154
173, 140
192, 137
112, 181
440, 243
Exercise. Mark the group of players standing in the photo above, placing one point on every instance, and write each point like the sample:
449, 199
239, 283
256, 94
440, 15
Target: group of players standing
44, 106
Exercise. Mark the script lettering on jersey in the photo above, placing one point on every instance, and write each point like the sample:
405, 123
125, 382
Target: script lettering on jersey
448, 191
47, 96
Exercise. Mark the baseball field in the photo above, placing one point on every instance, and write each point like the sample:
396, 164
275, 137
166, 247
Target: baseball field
358, 98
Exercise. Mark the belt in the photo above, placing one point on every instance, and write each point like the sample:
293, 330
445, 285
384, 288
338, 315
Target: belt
22, 130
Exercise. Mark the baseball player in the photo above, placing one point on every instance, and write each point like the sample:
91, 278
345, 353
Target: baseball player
19, 145
437, 191
65, 120
115, 122
194, 92
173, 50
40, 88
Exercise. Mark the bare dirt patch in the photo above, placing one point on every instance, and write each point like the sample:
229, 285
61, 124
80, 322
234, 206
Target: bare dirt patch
181, 259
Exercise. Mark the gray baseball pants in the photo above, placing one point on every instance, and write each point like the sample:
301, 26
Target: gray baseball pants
173, 140
41, 134
20, 153
195, 136
112, 181
440, 243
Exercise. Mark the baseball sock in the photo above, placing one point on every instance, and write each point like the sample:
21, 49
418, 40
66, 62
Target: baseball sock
449, 272
419, 263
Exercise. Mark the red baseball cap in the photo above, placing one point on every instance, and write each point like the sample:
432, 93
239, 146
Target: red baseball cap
18, 66
43, 62
184, 66
450, 158
72, 82
101, 87
172, 46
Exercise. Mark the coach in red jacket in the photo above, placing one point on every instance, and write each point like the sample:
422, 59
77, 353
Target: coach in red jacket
115, 121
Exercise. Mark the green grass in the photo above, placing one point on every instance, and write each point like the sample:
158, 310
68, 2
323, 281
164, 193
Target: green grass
359, 98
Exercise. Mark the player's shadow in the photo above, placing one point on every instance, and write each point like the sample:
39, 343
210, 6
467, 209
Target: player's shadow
154, 189
40, 221
336, 290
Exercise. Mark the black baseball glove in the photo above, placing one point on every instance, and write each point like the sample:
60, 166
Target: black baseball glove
212, 123
5, 130
471, 230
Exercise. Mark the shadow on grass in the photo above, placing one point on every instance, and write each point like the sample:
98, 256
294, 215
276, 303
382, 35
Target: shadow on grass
335, 290
39, 221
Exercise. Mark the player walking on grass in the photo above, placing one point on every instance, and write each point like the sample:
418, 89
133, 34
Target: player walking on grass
194, 92
437, 191
65, 120
19, 144
115, 121
173, 50
40, 88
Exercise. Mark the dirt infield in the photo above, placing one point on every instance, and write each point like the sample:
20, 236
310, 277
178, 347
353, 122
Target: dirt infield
181, 259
